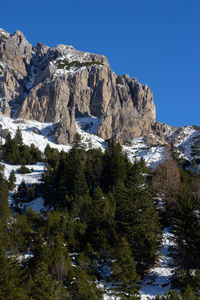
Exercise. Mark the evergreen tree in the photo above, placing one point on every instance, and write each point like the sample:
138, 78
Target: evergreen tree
124, 273
100, 214
21, 195
137, 219
114, 166
186, 228
41, 285
11, 180
18, 137
76, 143
10, 151
84, 287
4, 207
51, 156
11, 279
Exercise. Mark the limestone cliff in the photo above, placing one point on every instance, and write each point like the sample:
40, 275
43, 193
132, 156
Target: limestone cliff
59, 84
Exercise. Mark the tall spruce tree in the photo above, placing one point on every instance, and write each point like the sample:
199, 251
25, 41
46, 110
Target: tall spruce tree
186, 228
100, 212
18, 137
114, 166
41, 285
4, 207
137, 218
11, 279
11, 180
124, 274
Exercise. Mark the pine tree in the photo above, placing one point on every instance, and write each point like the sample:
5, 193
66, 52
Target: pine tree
84, 287
114, 166
11, 180
41, 285
11, 279
10, 151
124, 274
137, 219
76, 143
186, 228
4, 207
18, 137
21, 195
100, 212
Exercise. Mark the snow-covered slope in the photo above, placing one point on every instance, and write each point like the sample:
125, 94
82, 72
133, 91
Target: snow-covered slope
186, 140
33, 132
158, 279
41, 134
29, 178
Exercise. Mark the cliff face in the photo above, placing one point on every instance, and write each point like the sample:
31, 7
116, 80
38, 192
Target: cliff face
59, 84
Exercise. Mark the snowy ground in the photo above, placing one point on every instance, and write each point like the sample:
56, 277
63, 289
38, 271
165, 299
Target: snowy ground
153, 155
40, 134
33, 132
185, 140
87, 127
158, 279
29, 178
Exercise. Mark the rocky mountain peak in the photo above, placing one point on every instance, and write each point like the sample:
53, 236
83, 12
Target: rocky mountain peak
60, 84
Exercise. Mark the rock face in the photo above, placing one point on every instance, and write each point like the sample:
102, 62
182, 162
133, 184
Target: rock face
59, 84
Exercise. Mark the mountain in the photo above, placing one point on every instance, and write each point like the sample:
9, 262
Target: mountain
75, 91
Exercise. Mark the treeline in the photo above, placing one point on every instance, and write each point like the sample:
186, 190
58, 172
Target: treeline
15, 152
103, 225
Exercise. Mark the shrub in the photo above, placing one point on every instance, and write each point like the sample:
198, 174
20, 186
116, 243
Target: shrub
24, 170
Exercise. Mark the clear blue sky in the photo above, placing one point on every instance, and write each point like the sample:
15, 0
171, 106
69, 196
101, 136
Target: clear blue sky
156, 41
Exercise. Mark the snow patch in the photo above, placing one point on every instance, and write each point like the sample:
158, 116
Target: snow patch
29, 178
153, 155
86, 126
28, 127
158, 279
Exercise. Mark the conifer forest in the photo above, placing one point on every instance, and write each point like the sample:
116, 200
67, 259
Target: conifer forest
101, 228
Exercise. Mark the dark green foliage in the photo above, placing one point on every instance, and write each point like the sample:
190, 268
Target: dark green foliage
100, 212
15, 152
10, 150
136, 217
114, 166
67, 183
103, 213
11, 279
23, 170
65, 64
124, 274
188, 294
4, 208
25, 193
51, 156
41, 285
85, 287
18, 137
186, 228
11, 181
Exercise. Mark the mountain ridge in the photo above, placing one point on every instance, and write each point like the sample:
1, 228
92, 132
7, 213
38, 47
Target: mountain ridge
61, 85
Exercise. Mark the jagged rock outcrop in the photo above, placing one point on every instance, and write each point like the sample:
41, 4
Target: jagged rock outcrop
59, 84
